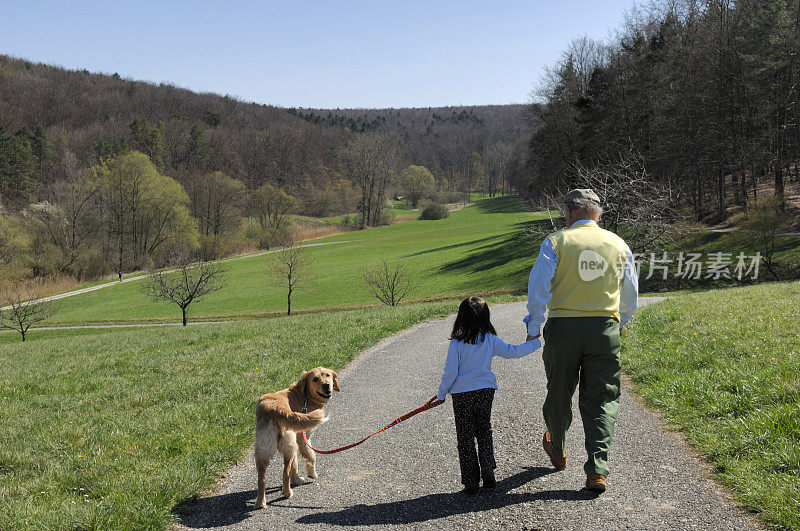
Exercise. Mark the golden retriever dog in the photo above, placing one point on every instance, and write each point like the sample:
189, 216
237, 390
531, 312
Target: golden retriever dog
280, 419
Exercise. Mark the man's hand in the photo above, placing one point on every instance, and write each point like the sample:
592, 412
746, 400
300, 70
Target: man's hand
530, 337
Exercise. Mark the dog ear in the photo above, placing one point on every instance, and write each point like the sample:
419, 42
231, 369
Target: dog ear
335, 381
302, 384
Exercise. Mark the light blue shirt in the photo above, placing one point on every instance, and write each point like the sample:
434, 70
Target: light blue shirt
469, 367
542, 275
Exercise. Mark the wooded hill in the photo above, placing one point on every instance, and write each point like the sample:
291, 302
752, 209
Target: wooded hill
699, 100
54, 120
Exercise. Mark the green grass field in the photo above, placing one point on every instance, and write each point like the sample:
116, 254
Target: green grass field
476, 250
113, 429
787, 248
724, 367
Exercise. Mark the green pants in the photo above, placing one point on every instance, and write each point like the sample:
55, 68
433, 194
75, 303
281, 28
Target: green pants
585, 350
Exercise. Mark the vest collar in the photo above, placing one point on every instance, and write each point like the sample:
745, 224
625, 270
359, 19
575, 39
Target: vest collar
583, 221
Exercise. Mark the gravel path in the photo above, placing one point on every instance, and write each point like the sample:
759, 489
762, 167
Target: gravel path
409, 475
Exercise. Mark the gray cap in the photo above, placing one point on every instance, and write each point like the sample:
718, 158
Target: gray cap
584, 194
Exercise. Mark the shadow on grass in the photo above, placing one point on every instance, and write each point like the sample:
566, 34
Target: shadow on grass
501, 205
515, 246
454, 246
442, 505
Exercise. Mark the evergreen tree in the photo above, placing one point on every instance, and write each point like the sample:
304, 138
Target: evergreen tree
18, 165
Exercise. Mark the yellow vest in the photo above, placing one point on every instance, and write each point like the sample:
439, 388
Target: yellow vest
587, 280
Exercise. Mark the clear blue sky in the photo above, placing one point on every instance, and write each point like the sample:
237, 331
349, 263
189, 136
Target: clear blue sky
299, 53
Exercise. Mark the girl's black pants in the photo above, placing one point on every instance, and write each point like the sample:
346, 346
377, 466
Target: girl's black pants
473, 413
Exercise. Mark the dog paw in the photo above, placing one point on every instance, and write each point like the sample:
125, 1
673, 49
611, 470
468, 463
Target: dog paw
287, 493
312, 474
261, 505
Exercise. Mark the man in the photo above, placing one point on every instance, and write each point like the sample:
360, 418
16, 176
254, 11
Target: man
585, 277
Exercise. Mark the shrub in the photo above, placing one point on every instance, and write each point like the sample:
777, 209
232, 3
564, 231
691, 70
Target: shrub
446, 196
350, 222
321, 203
762, 220
90, 264
434, 211
275, 237
212, 247
385, 217
788, 269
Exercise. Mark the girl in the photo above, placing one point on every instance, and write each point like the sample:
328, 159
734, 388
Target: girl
469, 378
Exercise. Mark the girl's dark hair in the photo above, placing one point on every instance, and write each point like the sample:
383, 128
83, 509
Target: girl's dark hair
472, 322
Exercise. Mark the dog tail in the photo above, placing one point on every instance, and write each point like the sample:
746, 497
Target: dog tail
302, 421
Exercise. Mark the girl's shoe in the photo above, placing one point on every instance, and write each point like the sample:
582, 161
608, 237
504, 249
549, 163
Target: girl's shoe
470, 490
488, 480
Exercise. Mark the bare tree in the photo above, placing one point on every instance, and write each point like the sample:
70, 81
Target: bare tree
23, 310
760, 222
216, 202
635, 206
184, 284
369, 162
389, 283
271, 205
498, 160
292, 266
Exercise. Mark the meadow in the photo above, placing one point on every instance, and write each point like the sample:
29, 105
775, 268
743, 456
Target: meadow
114, 428
722, 366
479, 249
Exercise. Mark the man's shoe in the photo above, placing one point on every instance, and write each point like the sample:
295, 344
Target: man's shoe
470, 490
559, 462
596, 482
488, 480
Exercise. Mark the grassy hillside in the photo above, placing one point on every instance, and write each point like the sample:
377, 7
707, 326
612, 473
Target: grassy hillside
478, 249
723, 366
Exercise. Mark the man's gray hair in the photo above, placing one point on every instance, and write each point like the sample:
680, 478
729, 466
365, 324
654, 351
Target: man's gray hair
583, 204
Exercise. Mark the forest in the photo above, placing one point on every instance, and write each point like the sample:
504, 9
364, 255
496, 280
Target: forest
101, 174
50, 115
700, 98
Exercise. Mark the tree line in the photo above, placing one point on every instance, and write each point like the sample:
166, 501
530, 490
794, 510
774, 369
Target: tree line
705, 94
50, 116
125, 214
100, 174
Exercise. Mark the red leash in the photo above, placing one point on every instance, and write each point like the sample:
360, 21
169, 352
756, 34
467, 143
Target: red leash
433, 402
